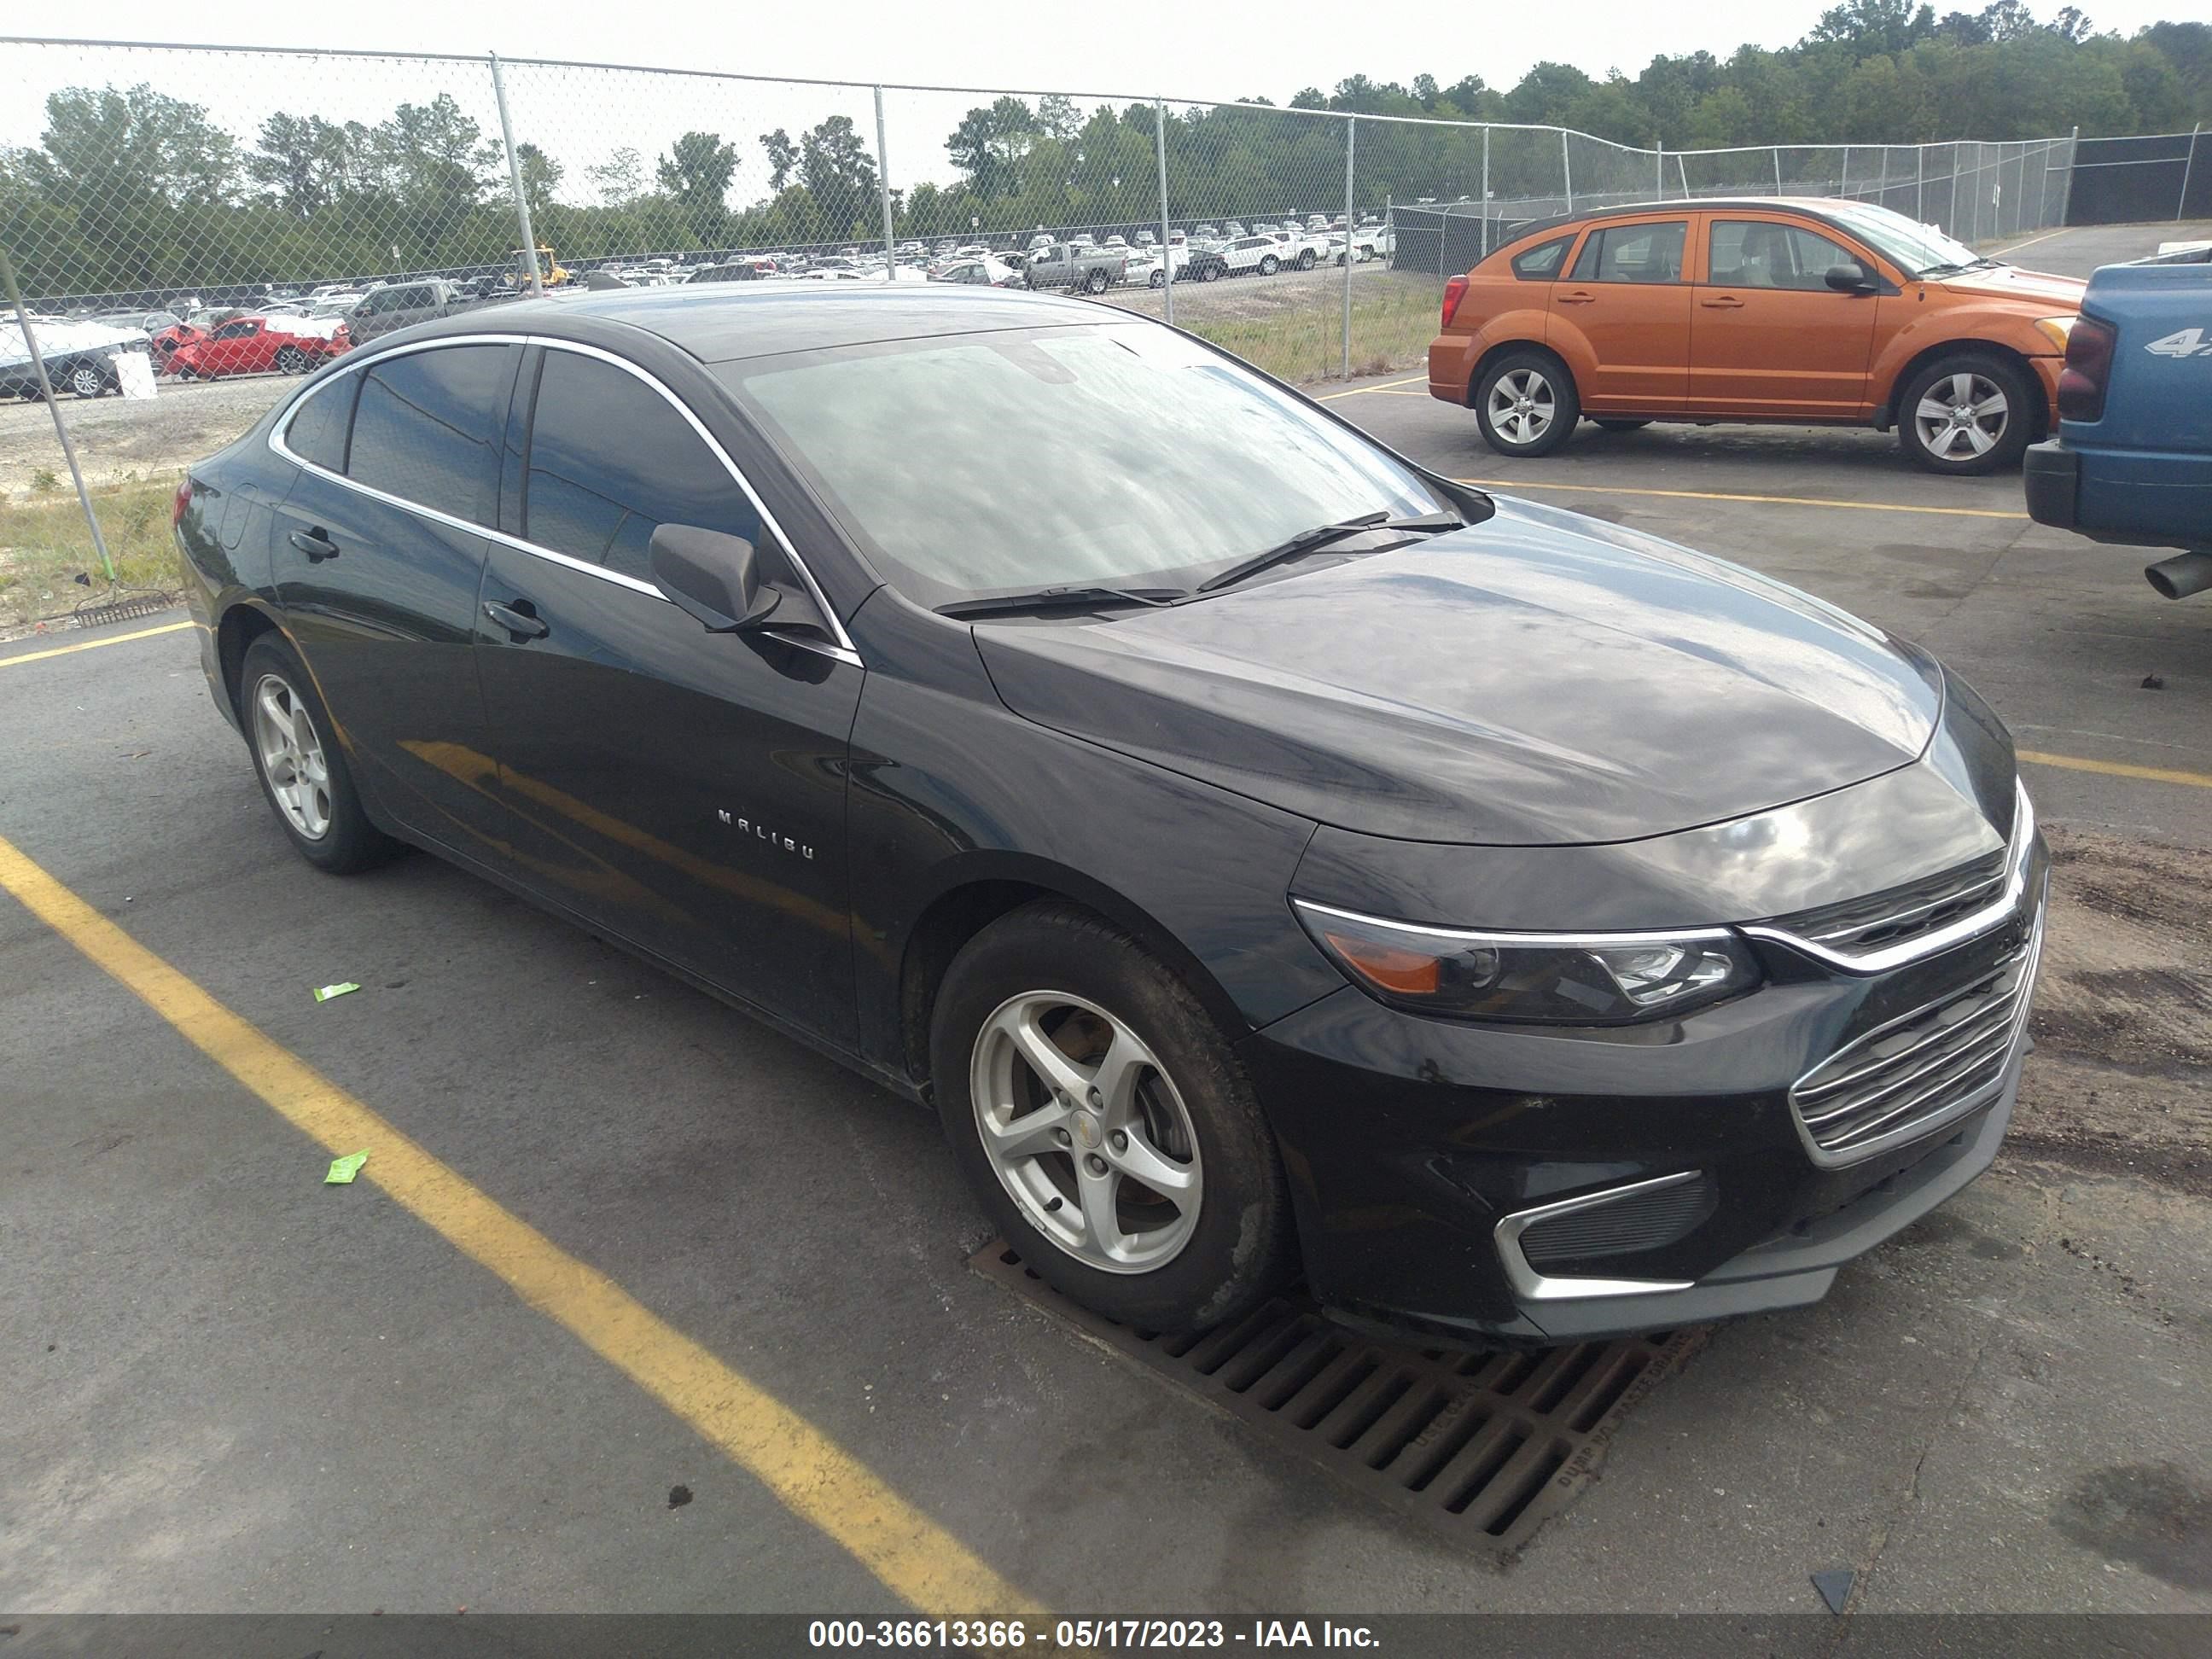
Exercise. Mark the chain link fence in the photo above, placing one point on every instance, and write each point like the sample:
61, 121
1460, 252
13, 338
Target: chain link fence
233, 215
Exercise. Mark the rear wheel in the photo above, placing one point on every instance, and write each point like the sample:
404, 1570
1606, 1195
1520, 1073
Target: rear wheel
1104, 1124
1269, 265
1157, 279
1212, 273
1526, 404
1094, 282
85, 379
1306, 259
302, 771
292, 361
1966, 414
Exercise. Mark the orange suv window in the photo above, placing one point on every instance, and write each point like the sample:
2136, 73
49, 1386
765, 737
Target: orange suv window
1634, 253
1762, 254
1541, 263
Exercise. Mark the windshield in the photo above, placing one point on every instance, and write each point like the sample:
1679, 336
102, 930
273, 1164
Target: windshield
1917, 248
1114, 456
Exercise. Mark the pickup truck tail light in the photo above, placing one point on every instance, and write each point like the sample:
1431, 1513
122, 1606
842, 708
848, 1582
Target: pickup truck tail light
2088, 366
1455, 291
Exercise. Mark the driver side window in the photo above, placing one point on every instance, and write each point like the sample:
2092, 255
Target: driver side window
1766, 253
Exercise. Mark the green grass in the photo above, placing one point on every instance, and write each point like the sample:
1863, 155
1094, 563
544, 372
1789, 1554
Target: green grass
43, 545
1391, 327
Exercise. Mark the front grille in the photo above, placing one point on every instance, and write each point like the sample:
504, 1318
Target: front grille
1646, 1221
1918, 1071
1902, 913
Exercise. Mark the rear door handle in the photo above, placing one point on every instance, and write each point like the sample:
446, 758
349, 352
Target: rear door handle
521, 623
1722, 302
315, 544
1578, 298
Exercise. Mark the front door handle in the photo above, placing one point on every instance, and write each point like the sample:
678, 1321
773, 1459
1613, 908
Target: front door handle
518, 619
1579, 297
1722, 302
315, 544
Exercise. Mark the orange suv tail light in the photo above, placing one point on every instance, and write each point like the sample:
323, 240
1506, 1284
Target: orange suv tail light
1455, 291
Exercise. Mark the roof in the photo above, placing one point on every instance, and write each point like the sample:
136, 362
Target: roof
722, 322
1824, 208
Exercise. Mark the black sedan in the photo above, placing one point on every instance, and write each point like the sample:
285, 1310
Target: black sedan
1269, 858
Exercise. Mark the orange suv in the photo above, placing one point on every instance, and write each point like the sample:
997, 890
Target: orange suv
1835, 312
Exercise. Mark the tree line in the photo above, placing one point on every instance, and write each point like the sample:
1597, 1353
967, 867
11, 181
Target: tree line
133, 189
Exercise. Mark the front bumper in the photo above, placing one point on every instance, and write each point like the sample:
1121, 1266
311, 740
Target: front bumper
1418, 1150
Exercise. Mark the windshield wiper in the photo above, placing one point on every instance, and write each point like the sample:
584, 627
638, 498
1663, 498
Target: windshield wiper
1955, 267
1321, 535
1062, 598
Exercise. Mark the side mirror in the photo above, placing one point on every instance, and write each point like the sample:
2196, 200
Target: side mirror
1852, 278
712, 576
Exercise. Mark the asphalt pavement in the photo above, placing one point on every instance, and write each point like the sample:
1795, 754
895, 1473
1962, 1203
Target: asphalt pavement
625, 1228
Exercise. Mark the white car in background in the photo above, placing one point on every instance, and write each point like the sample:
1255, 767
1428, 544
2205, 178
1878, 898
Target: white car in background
981, 270
1302, 248
1246, 256
1146, 270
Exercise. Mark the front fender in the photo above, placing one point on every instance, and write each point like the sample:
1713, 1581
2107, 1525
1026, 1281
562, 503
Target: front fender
1929, 331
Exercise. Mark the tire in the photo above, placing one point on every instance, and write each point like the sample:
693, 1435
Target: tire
187, 373
1094, 282
1966, 414
323, 816
1512, 398
1269, 265
290, 360
1213, 273
1306, 260
1611, 425
85, 379
1079, 985
1159, 279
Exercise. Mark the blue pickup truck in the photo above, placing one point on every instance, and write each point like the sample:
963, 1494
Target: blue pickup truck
2132, 462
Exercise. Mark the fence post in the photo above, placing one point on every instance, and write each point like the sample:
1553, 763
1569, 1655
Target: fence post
1350, 140
1881, 189
1919, 182
1844, 179
1659, 173
883, 185
1485, 200
1778, 169
515, 174
1566, 168
2066, 196
54, 408
2187, 166
1167, 253
1682, 171
1951, 216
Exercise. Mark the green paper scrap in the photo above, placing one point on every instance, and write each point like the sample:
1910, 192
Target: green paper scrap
343, 1170
324, 993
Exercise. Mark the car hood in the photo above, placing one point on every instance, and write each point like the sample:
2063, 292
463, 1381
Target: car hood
2010, 283
1539, 679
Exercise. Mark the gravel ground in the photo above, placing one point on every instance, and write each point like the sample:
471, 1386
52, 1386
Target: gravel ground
119, 438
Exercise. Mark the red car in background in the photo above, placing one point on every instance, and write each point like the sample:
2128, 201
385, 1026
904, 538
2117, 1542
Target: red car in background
250, 345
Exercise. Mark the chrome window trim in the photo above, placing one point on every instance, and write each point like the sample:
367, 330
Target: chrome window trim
843, 651
1534, 1286
1561, 941
1998, 911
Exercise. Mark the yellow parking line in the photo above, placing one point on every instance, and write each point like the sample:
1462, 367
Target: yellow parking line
2119, 768
1723, 495
1360, 390
812, 1476
94, 645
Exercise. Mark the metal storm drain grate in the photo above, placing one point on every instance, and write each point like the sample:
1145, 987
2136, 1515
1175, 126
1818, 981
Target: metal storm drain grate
1484, 1447
126, 607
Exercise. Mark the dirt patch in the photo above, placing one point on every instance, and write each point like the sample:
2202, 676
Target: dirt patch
2121, 1077
124, 441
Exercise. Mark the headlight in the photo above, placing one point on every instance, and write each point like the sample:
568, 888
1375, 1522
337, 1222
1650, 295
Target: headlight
1565, 978
2056, 329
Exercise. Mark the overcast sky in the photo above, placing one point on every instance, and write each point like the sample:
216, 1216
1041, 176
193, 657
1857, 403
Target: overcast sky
1191, 48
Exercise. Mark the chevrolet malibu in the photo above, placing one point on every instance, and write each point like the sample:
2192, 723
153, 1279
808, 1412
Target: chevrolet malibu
1269, 859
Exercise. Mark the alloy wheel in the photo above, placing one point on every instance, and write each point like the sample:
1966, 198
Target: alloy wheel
1087, 1131
84, 380
1962, 417
292, 758
1522, 406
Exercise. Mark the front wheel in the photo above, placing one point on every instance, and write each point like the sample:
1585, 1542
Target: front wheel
1526, 404
1966, 414
1306, 260
290, 360
1159, 279
1104, 1124
302, 770
1212, 274
1094, 282
1269, 265
86, 380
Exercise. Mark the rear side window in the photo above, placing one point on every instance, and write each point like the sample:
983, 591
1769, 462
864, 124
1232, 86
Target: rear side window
612, 461
427, 428
319, 423
1633, 253
1541, 264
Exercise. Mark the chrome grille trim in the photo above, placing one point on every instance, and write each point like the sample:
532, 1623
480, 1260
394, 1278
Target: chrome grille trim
1856, 1103
1970, 890
1881, 959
